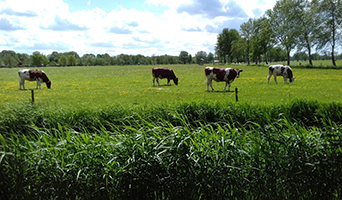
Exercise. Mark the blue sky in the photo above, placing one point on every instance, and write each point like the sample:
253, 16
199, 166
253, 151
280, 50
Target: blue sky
108, 6
147, 27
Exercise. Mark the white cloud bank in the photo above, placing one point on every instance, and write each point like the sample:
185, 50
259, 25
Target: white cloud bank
189, 25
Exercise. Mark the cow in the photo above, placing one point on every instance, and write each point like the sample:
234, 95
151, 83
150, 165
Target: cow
221, 74
33, 75
280, 70
164, 73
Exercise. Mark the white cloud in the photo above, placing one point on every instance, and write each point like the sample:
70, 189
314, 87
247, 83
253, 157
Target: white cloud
47, 26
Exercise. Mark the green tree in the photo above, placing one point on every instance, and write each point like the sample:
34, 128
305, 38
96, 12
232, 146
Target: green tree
330, 20
190, 59
277, 54
210, 57
306, 26
283, 24
225, 42
201, 57
54, 56
38, 59
71, 60
9, 58
87, 59
183, 56
246, 30
62, 60
24, 58
10, 61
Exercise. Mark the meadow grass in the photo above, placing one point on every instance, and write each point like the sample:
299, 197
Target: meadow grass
106, 132
77, 87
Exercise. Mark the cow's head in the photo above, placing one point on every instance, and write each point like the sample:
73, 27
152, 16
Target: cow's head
238, 72
290, 74
175, 81
292, 79
48, 84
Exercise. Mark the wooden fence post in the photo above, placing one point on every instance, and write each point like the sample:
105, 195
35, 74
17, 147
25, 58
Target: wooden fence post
32, 95
236, 94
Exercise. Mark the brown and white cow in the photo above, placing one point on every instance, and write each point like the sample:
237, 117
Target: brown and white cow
33, 75
160, 73
280, 70
221, 74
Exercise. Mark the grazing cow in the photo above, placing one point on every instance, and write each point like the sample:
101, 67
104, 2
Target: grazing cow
221, 74
164, 73
280, 70
33, 75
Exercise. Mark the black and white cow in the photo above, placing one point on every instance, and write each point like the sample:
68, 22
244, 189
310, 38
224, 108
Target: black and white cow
280, 70
33, 75
221, 74
160, 73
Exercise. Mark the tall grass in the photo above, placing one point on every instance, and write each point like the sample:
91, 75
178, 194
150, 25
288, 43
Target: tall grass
22, 118
191, 150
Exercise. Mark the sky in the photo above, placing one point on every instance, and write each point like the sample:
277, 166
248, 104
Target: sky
146, 27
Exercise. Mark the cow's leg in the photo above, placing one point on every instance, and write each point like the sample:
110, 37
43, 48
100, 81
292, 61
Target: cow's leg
275, 79
22, 83
168, 82
210, 82
268, 78
208, 86
226, 86
38, 84
154, 78
211, 85
285, 78
158, 81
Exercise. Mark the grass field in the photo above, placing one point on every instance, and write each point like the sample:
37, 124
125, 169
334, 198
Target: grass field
108, 85
107, 133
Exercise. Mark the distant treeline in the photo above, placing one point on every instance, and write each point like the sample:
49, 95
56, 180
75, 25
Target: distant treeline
9, 58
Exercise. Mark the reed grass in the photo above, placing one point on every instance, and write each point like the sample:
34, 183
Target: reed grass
190, 150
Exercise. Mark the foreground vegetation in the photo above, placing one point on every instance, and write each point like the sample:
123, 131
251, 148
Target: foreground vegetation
106, 132
193, 150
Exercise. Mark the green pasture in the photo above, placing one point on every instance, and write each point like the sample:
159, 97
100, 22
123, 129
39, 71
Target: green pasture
132, 85
107, 133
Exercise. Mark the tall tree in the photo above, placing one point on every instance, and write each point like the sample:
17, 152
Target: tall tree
54, 56
24, 58
283, 24
201, 57
62, 60
330, 23
246, 33
306, 26
210, 57
183, 56
225, 41
256, 40
261, 39
71, 60
38, 59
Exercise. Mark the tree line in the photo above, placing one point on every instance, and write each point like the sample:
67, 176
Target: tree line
9, 58
302, 25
